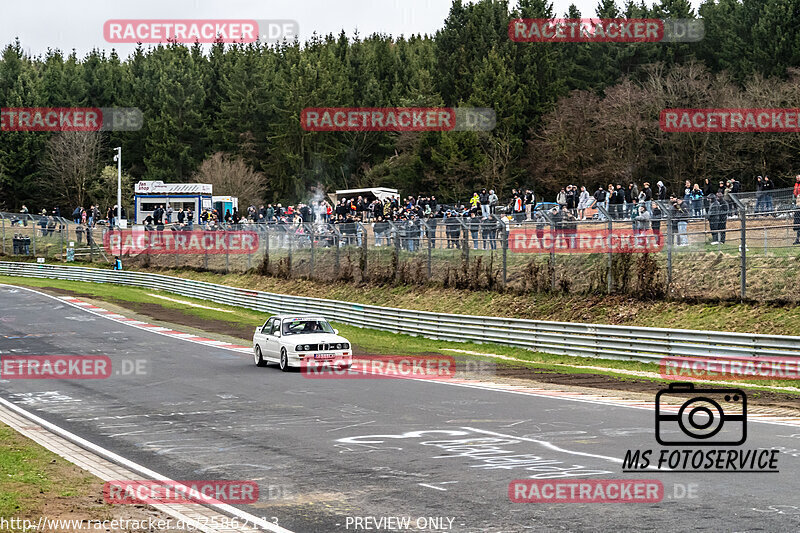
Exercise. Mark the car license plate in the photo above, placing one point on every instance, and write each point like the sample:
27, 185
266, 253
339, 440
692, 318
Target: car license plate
324, 355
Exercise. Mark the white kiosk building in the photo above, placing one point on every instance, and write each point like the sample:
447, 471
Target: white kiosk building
150, 194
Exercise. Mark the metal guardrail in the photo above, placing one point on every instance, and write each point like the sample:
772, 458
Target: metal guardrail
563, 338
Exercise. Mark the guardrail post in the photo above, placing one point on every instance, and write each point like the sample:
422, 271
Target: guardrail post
33, 236
669, 248
61, 227
742, 245
362, 261
227, 255
610, 277
551, 261
502, 227
290, 235
743, 253
464, 245
311, 234
430, 256
609, 272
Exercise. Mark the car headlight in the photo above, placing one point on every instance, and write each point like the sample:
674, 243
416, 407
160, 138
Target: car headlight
306, 347
345, 346
298, 348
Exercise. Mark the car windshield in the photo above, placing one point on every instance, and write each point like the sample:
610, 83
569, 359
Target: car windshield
300, 325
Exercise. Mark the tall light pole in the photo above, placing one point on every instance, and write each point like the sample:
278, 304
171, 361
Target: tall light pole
118, 159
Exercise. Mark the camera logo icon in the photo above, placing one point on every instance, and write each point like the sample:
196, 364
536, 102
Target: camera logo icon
712, 417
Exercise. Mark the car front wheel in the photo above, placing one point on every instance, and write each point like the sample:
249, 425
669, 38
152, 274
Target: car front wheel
258, 357
284, 360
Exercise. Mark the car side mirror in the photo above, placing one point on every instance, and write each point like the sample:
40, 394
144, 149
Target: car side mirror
336, 331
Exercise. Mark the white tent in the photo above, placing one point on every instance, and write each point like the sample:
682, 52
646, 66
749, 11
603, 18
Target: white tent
372, 192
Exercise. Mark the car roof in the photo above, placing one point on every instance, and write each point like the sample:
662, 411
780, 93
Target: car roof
298, 317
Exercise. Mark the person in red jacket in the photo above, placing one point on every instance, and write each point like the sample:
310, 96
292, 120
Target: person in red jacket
796, 191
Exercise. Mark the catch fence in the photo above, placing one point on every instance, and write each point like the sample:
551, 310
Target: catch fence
744, 247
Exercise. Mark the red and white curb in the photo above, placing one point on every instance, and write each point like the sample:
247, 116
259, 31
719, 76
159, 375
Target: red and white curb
471, 383
77, 302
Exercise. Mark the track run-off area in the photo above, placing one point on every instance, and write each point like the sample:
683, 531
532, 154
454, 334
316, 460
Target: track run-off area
334, 455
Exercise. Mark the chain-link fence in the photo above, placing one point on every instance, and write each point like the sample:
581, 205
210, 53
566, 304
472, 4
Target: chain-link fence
743, 246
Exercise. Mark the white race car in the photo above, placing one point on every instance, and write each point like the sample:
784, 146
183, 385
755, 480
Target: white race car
290, 340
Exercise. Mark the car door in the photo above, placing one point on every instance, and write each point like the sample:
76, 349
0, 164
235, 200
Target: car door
273, 345
260, 337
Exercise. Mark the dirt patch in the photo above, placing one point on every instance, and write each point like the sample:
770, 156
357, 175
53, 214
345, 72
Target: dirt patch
763, 401
166, 314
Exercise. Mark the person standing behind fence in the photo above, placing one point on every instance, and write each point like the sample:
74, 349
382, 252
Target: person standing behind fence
797, 219
697, 201
561, 198
655, 221
493, 201
722, 227
474, 228
600, 199
483, 198
619, 197
687, 192
759, 194
662, 191
642, 220
631, 197
680, 221
768, 187
796, 190
584, 201
530, 204
518, 208
713, 218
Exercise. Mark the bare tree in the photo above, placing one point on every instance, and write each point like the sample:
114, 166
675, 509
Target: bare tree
230, 175
71, 164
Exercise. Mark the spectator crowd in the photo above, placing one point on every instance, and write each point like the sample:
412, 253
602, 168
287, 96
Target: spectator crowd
481, 217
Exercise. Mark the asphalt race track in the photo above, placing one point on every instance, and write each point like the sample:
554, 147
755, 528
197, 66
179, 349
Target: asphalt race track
323, 450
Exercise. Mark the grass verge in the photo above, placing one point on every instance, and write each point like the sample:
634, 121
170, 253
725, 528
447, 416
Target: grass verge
36, 482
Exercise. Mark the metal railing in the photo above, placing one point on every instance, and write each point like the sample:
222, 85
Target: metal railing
572, 339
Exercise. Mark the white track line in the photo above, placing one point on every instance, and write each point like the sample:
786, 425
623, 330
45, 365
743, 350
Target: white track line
189, 303
228, 509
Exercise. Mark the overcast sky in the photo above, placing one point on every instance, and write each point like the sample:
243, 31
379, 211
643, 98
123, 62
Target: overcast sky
78, 24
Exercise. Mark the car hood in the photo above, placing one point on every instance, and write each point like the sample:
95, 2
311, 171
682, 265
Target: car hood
313, 338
